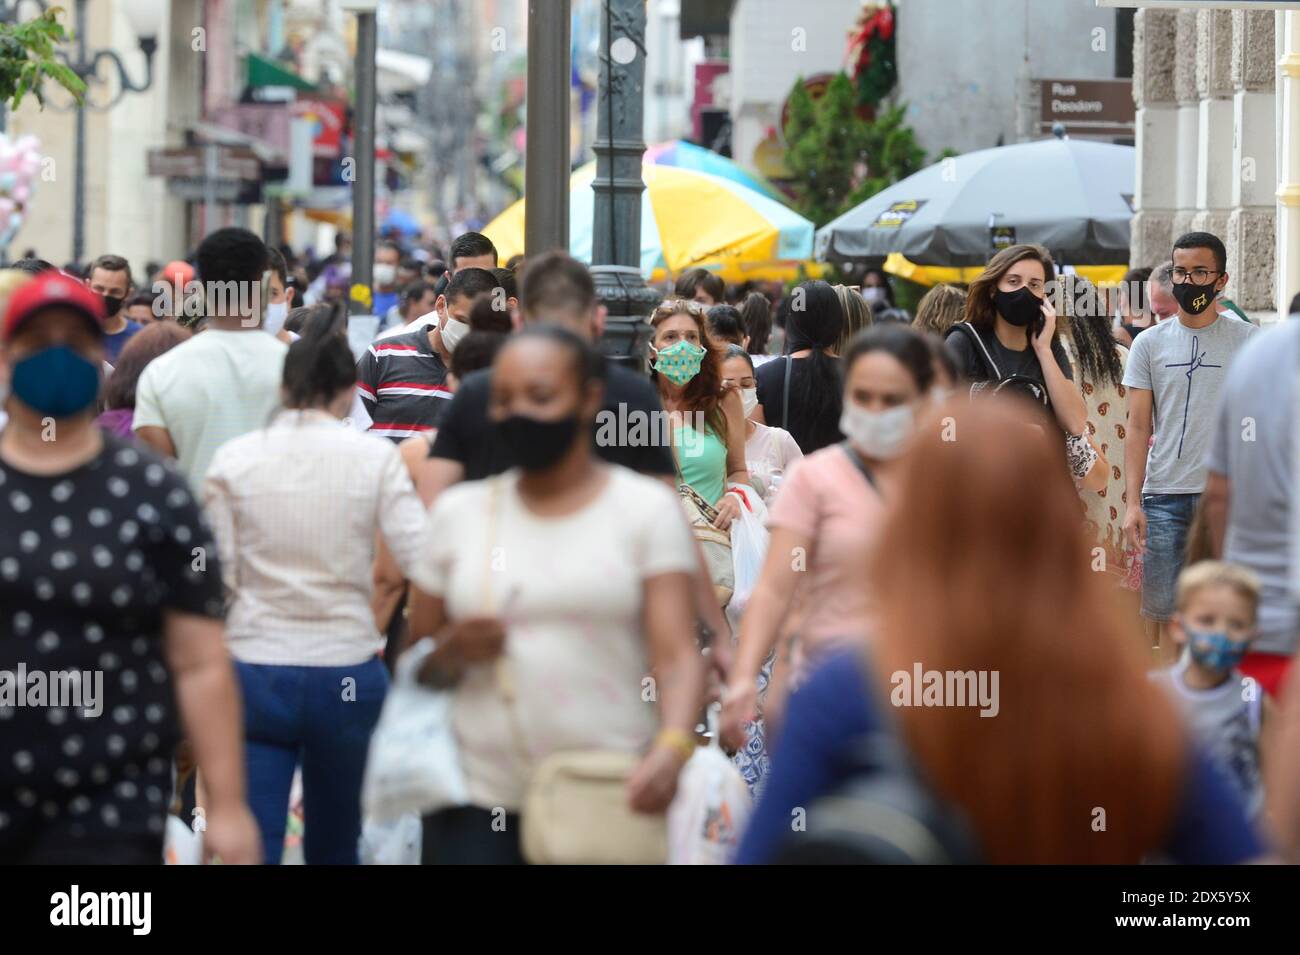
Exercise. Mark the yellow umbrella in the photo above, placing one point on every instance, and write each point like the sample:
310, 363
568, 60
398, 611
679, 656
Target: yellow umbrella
689, 219
896, 264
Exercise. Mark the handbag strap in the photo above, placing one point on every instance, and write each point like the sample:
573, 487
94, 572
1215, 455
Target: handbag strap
860, 465
785, 395
969, 331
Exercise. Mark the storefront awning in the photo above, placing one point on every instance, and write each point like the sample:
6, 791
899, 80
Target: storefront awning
264, 71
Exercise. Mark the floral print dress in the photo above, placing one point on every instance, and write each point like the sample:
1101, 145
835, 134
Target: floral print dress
1107, 407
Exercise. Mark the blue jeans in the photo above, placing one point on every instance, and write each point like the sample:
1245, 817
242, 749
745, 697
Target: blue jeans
311, 715
1169, 518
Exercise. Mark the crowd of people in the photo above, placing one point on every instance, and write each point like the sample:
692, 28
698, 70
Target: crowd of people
1018, 573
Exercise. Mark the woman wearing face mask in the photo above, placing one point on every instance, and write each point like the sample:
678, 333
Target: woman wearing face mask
296, 507
876, 290
801, 392
101, 574
769, 452
707, 422
824, 520
1008, 312
551, 591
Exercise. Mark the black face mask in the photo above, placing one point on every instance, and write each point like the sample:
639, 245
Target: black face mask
1194, 299
112, 304
1021, 307
537, 445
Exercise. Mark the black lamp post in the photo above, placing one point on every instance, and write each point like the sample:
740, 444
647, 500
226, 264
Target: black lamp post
619, 148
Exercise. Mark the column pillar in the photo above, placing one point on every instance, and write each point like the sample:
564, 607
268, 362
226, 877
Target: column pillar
1251, 231
1215, 142
1157, 131
1186, 157
1288, 179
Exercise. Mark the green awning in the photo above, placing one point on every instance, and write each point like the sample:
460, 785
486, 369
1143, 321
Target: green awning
264, 71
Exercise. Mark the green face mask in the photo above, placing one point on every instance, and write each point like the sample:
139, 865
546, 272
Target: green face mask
679, 362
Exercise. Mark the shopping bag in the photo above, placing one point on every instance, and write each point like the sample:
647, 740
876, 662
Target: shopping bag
182, 844
414, 766
391, 841
711, 808
749, 538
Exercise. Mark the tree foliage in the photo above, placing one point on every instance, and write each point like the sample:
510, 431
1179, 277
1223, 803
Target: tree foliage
836, 158
28, 58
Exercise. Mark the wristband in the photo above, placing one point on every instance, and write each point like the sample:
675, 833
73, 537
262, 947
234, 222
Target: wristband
680, 742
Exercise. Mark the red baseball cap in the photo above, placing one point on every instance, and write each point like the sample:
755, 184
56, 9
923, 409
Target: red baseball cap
176, 273
52, 290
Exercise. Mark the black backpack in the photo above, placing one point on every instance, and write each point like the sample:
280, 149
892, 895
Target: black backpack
884, 814
995, 381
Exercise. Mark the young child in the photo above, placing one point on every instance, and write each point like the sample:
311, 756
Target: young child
1213, 626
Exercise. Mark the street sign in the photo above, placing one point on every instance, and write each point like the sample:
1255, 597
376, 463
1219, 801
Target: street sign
1088, 107
190, 162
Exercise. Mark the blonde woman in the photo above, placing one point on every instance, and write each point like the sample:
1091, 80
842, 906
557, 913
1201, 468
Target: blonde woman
857, 315
940, 309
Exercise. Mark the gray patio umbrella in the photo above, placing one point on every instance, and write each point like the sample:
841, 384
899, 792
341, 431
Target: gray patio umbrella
1071, 195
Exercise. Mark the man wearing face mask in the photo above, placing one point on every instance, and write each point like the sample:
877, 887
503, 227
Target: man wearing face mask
402, 378
1174, 376
110, 279
280, 299
96, 556
388, 256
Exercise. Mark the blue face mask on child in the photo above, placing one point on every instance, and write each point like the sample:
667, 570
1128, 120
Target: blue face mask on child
1214, 650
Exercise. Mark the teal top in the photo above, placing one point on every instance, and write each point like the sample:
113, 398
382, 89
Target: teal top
702, 458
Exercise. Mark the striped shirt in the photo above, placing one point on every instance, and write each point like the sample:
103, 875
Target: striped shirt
402, 382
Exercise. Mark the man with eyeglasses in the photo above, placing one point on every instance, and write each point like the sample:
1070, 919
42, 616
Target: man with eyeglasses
1174, 376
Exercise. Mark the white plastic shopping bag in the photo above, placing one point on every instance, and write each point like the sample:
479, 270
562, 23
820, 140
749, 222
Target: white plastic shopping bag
182, 844
749, 538
414, 766
391, 841
711, 808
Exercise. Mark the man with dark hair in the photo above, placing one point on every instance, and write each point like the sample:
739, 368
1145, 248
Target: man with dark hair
281, 296
418, 298
33, 266
225, 381
1174, 375
1132, 314
701, 285
388, 257
470, 250
402, 377
110, 279
557, 289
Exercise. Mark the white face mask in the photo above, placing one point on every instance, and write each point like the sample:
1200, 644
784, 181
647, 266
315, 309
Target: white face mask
749, 399
275, 316
452, 332
878, 434
384, 274
874, 294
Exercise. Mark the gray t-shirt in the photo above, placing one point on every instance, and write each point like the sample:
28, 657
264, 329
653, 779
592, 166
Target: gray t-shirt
1253, 447
1184, 369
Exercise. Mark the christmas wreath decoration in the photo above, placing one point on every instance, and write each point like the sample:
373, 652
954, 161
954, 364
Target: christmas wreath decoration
871, 53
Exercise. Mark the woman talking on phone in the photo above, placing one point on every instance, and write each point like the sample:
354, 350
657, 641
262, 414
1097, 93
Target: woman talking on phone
1009, 334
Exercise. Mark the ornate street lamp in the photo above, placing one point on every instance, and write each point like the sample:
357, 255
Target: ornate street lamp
619, 147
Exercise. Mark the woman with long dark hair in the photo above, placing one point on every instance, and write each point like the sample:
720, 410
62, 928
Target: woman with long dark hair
756, 315
546, 650
1084, 761
295, 507
1011, 334
824, 519
802, 392
1098, 363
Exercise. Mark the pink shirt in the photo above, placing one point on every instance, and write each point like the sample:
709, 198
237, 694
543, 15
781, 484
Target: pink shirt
827, 500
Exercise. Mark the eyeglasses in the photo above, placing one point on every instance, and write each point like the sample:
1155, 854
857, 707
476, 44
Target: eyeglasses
1198, 276
678, 306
